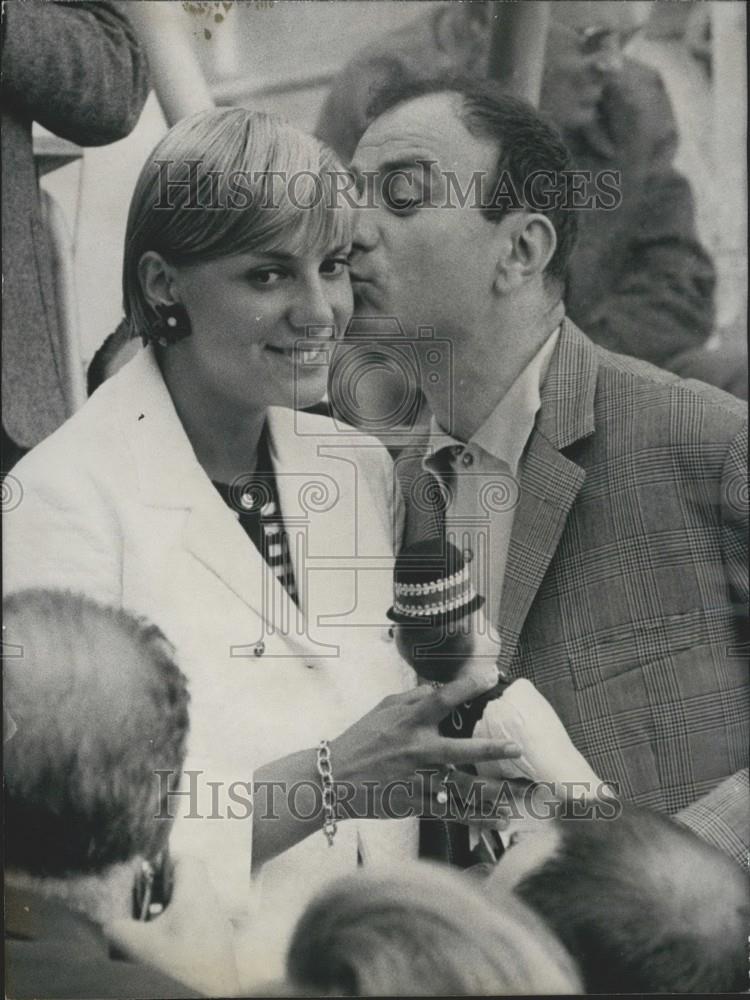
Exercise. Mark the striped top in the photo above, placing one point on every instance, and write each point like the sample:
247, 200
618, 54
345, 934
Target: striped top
255, 500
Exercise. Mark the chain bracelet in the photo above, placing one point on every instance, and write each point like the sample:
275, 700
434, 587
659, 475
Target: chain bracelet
325, 771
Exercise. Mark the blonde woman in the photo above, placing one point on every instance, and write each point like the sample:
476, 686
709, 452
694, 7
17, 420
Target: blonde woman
423, 931
192, 489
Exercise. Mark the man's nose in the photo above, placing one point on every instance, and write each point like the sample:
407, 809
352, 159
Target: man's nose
365, 230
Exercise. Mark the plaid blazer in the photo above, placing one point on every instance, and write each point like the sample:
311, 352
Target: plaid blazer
625, 599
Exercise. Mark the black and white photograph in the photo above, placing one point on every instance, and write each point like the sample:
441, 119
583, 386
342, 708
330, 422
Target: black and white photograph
376, 612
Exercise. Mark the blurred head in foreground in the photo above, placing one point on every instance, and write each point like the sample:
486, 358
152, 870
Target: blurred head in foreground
95, 704
641, 903
424, 931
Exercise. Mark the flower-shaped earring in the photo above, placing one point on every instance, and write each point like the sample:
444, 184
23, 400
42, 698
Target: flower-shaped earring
172, 324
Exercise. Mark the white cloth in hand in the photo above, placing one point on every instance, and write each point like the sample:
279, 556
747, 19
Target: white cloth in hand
525, 716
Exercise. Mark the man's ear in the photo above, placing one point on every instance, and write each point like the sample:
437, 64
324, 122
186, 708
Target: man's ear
157, 279
526, 245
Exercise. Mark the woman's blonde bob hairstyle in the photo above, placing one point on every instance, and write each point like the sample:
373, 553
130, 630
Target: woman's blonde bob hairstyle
423, 931
230, 181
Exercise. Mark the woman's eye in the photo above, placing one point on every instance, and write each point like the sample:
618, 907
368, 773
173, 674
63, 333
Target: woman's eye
513, 839
335, 266
266, 278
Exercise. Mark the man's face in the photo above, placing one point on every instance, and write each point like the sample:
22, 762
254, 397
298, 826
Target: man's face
426, 266
584, 52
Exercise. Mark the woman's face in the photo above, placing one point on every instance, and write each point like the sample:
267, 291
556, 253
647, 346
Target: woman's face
262, 324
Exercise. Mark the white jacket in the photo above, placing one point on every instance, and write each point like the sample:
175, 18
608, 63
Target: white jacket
115, 505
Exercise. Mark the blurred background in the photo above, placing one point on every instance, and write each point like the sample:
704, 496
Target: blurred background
282, 56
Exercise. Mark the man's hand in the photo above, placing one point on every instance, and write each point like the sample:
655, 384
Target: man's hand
548, 754
192, 939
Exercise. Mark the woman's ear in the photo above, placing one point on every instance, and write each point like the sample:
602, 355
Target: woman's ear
157, 279
526, 247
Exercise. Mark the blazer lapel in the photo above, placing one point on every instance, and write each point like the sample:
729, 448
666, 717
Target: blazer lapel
169, 476
313, 504
537, 527
550, 480
214, 536
339, 529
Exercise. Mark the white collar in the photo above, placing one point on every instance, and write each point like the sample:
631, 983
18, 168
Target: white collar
506, 431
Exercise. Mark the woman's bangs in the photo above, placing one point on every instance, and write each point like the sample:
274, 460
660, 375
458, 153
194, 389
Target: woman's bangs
300, 210
303, 217
261, 185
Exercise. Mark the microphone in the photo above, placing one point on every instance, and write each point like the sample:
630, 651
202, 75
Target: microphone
438, 622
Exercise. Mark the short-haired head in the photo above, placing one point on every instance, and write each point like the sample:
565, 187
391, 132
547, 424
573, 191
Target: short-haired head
426, 930
654, 908
230, 181
97, 706
527, 146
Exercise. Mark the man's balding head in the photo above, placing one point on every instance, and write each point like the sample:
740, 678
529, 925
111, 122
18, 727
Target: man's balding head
97, 707
642, 904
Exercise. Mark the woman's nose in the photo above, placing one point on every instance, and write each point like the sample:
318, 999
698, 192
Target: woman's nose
314, 308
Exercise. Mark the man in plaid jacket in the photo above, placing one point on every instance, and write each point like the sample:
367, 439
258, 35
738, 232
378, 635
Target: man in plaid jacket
602, 502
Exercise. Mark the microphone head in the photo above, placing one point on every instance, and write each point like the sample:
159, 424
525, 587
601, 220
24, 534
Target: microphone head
436, 650
432, 585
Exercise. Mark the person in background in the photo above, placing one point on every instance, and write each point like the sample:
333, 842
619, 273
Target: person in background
95, 704
115, 350
423, 930
639, 280
78, 70
641, 903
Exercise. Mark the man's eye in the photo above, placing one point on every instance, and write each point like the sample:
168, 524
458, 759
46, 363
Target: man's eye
266, 278
335, 266
513, 839
401, 193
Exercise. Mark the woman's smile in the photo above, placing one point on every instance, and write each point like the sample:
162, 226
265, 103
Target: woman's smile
305, 353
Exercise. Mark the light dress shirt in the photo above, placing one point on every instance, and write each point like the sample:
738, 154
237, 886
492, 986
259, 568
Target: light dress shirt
481, 477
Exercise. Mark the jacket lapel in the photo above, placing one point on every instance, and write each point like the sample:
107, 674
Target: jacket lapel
549, 486
319, 507
169, 476
550, 480
215, 537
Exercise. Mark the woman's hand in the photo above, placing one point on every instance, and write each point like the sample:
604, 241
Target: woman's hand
386, 762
